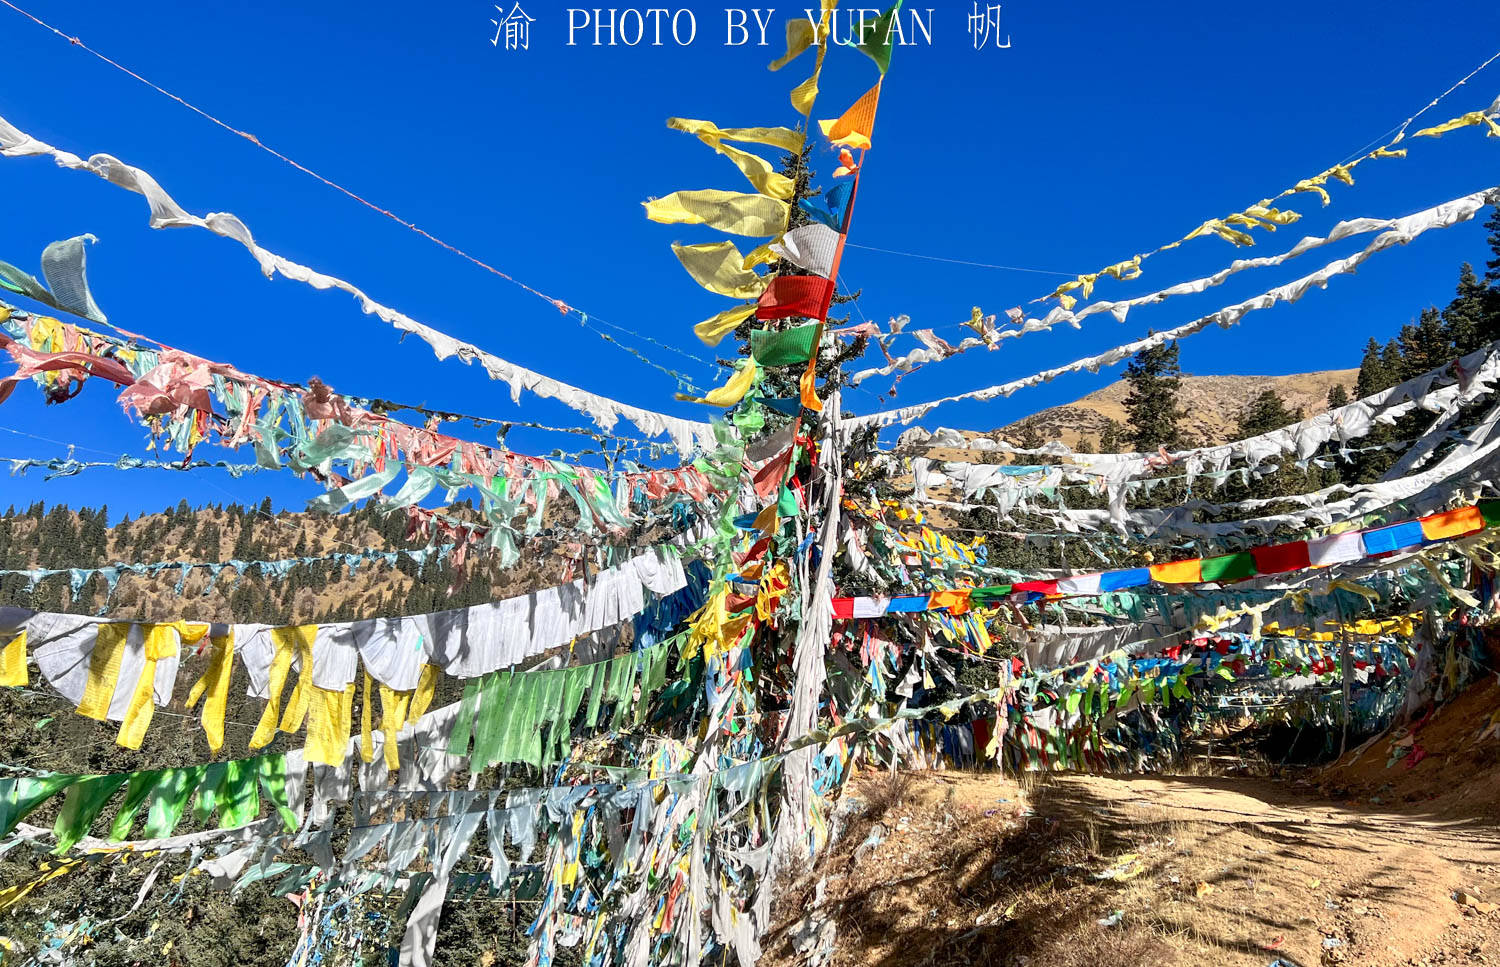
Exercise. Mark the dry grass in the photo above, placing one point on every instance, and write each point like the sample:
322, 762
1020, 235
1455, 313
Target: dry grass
1131, 945
887, 793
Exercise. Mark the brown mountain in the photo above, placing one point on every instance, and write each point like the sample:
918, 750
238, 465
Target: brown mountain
1213, 404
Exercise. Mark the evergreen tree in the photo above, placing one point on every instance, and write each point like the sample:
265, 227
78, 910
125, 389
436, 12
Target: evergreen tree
1492, 266
1030, 437
1155, 378
1338, 396
1266, 412
1111, 437
1393, 362
1465, 317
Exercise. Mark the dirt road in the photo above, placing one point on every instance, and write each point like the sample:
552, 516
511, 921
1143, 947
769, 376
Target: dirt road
952, 868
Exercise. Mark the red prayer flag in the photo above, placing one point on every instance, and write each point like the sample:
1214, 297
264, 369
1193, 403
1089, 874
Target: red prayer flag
843, 607
1278, 558
795, 295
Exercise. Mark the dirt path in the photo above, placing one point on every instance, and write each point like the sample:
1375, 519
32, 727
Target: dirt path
971, 869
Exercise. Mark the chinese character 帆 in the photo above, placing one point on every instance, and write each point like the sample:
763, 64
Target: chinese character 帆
982, 22
516, 26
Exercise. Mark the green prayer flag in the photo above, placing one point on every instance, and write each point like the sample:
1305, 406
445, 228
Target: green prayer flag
169, 797
1490, 511
136, 790
18, 797
81, 806
271, 771
1229, 567
786, 503
783, 347
207, 801
875, 37
990, 595
241, 802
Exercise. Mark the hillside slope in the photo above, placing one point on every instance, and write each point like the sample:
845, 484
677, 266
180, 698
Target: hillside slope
1213, 404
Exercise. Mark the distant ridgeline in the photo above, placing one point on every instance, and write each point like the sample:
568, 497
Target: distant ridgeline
285, 592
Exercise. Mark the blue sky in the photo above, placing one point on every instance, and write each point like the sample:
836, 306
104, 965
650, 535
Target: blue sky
1105, 130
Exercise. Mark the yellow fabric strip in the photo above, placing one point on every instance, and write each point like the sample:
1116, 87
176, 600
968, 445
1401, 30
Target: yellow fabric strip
366, 740
720, 268
287, 643
728, 211
330, 718
804, 95
298, 639
161, 641
731, 392
104, 671
394, 708
784, 138
13, 662
426, 688
213, 687
1467, 120
712, 331
800, 35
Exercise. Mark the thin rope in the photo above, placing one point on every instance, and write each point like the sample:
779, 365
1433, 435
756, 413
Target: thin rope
559, 304
939, 258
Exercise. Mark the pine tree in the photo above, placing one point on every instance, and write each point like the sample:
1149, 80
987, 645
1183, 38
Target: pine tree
1394, 362
1030, 437
1465, 317
1338, 396
1111, 436
1266, 412
1155, 378
1492, 266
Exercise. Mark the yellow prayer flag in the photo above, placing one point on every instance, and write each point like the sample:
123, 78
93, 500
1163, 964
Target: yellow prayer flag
13, 661
1464, 121
712, 331
720, 268
784, 138
731, 392
734, 212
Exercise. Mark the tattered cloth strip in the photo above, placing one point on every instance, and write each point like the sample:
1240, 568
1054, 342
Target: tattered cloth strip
1270, 559
1463, 381
67, 287
166, 213
66, 467
231, 790
117, 671
1262, 215
175, 394
78, 577
992, 338
530, 716
1403, 230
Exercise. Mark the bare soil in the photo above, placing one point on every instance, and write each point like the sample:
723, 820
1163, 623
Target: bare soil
1401, 868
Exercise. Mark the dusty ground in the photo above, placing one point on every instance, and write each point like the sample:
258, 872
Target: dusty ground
958, 868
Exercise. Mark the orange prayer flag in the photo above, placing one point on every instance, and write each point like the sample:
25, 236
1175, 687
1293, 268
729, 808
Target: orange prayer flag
858, 123
1453, 523
1179, 572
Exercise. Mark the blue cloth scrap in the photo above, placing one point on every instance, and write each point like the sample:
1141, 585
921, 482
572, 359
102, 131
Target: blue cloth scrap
1120, 580
909, 603
1384, 540
789, 407
829, 207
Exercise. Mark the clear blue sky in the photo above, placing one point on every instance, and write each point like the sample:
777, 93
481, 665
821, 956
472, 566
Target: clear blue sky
1105, 130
